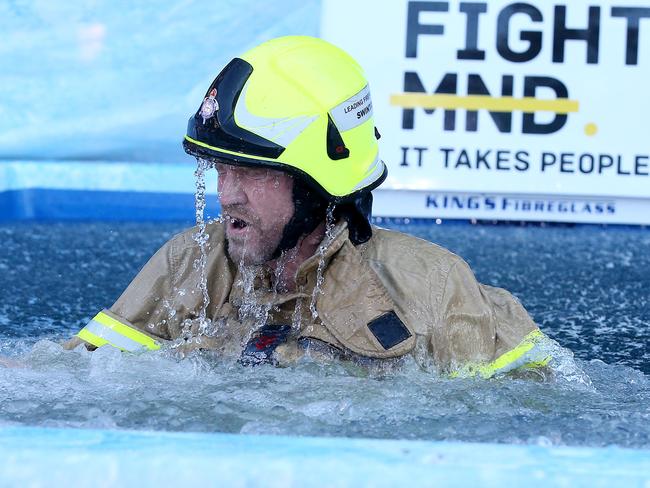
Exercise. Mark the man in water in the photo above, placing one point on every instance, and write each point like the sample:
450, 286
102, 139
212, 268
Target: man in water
294, 266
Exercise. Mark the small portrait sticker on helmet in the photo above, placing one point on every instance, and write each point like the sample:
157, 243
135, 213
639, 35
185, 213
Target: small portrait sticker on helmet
210, 105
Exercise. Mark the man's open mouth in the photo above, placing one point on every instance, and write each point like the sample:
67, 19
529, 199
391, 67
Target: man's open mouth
238, 223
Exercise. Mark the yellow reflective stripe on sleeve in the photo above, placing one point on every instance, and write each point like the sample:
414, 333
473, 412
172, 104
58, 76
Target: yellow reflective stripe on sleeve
527, 354
91, 338
112, 338
126, 331
515, 354
104, 329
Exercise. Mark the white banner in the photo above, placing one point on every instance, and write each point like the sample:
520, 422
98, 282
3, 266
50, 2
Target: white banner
501, 98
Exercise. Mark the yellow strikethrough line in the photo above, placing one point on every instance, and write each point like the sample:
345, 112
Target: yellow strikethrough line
483, 102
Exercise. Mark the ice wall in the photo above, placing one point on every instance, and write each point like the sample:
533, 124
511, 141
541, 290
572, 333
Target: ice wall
117, 80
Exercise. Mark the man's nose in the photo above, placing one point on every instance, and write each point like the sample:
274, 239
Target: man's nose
230, 189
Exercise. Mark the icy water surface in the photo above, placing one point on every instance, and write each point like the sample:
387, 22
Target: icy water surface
587, 287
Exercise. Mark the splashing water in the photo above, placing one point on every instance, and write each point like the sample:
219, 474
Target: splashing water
250, 309
550, 269
108, 389
201, 238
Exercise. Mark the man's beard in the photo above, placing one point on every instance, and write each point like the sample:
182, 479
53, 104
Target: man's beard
255, 251
243, 255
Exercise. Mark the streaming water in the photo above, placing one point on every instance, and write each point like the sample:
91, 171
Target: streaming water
296, 317
202, 239
251, 310
329, 235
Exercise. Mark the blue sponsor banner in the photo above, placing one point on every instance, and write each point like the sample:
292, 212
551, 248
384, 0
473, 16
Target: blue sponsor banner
101, 191
143, 191
515, 207
48, 204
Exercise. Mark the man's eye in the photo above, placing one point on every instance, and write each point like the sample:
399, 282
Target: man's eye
257, 174
240, 172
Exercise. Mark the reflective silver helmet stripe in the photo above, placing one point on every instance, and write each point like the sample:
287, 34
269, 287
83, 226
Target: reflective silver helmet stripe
282, 130
377, 169
354, 111
114, 338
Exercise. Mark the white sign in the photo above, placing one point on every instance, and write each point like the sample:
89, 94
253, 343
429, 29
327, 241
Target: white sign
502, 98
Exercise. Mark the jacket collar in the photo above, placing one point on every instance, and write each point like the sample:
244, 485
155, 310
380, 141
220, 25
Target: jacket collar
332, 243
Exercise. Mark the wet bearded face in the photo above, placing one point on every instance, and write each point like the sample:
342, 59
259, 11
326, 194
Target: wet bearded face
257, 203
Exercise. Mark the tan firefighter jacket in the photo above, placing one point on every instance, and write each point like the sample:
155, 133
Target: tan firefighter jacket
392, 296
